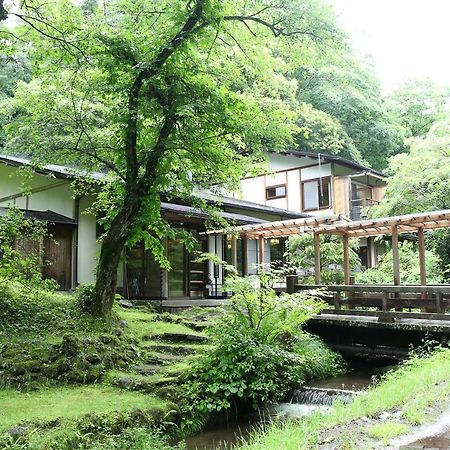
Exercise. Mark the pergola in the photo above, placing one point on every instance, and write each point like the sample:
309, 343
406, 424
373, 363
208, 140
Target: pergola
337, 225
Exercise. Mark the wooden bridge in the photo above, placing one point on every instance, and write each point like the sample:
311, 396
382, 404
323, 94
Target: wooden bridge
382, 320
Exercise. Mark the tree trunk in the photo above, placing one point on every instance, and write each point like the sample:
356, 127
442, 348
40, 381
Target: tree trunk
111, 250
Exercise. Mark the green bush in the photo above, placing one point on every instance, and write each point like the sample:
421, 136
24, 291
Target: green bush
84, 295
300, 255
409, 267
259, 350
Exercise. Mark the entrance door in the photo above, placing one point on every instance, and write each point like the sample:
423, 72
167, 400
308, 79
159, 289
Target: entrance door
58, 255
143, 274
177, 277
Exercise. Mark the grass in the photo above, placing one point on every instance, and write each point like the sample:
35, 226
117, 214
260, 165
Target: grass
420, 382
387, 430
69, 403
142, 323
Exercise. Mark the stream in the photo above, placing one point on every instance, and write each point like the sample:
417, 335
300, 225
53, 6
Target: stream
312, 396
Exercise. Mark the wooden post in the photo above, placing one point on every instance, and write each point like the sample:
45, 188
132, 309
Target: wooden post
346, 260
421, 242
317, 258
395, 256
234, 251
244, 256
261, 250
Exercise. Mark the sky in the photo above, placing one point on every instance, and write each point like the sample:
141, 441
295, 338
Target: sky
406, 38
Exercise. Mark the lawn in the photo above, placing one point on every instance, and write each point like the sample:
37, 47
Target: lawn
69, 403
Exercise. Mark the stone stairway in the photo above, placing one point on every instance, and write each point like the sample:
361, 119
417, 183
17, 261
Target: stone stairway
165, 356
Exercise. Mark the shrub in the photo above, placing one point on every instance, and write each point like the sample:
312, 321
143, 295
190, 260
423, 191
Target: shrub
409, 267
259, 350
22, 253
84, 295
301, 256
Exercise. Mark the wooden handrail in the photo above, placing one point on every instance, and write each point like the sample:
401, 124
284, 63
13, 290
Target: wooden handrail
385, 288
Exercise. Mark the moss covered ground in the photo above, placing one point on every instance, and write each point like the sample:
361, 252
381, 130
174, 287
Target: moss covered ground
69, 381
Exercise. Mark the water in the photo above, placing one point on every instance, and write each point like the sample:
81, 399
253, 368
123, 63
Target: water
317, 396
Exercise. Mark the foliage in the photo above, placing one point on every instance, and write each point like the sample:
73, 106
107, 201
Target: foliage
300, 253
322, 133
418, 180
165, 96
84, 297
84, 417
418, 105
258, 349
348, 91
421, 377
21, 249
409, 267
14, 67
46, 340
439, 242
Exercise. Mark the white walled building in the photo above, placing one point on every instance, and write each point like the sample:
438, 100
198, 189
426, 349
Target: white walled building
298, 185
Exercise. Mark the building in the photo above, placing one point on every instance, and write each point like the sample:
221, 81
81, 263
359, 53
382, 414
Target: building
73, 248
318, 185
299, 185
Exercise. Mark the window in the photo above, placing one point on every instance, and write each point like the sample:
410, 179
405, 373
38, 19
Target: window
316, 194
276, 192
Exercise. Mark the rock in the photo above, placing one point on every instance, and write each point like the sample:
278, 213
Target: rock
93, 359
17, 431
123, 382
123, 323
385, 416
70, 345
125, 303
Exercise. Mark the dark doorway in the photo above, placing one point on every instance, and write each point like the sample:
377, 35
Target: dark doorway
58, 255
143, 274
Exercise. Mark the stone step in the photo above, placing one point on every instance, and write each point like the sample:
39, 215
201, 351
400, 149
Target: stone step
164, 358
143, 384
148, 369
172, 349
181, 337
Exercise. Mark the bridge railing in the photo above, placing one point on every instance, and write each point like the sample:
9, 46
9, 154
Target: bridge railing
428, 299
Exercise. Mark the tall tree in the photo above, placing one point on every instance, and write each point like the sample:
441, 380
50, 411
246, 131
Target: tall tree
418, 104
419, 180
163, 94
351, 94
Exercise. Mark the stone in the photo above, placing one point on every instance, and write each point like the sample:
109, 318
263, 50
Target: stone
125, 303
17, 431
123, 382
123, 323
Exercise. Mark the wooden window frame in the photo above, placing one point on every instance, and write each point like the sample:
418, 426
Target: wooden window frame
275, 187
328, 178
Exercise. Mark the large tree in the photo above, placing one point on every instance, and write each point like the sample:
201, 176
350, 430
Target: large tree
418, 104
164, 95
351, 94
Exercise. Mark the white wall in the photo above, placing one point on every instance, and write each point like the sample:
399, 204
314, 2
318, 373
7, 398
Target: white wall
279, 161
309, 173
57, 197
253, 189
294, 202
87, 244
